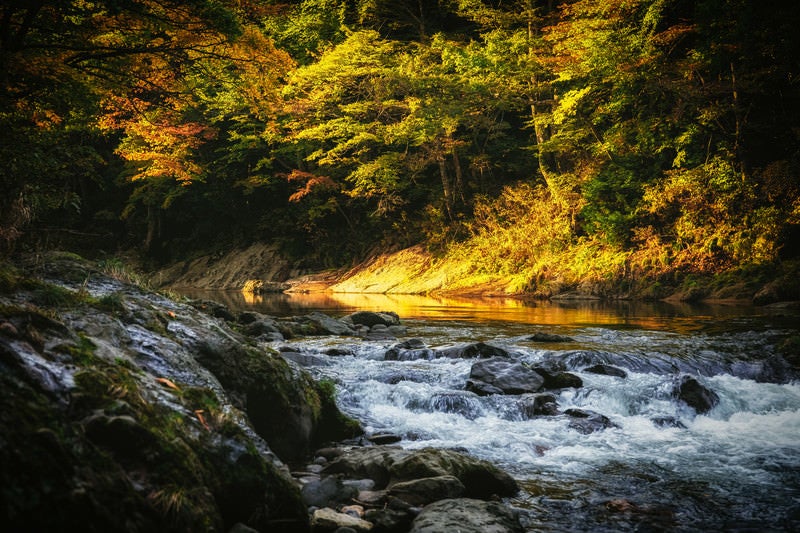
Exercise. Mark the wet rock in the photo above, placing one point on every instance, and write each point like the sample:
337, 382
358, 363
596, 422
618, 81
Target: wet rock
305, 359
606, 370
329, 326
510, 377
427, 490
466, 516
379, 332
353, 510
584, 421
558, 380
695, 395
370, 319
328, 520
327, 492
533, 405
371, 462
548, 337
388, 464
482, 388
409, 350
464, 403
481, 479
246, 317
470, 351
261, 326
667, 422
384, 438
338, 352
390, 520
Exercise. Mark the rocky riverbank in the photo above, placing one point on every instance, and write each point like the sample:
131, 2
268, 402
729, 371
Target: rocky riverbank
125, 410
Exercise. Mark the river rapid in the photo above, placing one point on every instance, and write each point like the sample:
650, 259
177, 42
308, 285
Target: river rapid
660, 467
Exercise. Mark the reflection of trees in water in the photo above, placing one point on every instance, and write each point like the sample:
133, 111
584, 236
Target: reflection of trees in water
681, 317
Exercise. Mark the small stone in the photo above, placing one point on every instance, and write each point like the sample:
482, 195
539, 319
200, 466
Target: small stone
327, 519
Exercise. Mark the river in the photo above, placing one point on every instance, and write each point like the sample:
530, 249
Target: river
736, 468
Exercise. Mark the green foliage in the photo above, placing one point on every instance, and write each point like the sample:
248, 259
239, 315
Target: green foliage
658, 130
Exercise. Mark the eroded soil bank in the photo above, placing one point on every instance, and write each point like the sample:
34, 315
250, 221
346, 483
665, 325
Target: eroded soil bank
415, 271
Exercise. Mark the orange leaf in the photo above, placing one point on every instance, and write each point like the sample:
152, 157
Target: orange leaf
199, 414
168, 383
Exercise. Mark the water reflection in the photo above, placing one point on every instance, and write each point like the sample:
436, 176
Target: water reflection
621, 314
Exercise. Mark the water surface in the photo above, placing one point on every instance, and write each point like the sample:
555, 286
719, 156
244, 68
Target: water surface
736, 467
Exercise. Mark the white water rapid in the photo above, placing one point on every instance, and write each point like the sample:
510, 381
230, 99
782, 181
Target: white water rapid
660, 466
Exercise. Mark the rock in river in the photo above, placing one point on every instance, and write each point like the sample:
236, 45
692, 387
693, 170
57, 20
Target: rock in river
504, 376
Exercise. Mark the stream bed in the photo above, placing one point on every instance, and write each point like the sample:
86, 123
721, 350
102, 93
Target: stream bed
659, 466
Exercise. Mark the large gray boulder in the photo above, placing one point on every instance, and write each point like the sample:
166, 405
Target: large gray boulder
504, 375
466, 516
473, 350
388, 465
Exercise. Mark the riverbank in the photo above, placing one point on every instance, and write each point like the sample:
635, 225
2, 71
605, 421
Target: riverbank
124, 409
416, 271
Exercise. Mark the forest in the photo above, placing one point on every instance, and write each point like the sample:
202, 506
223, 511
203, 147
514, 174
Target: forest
532, 139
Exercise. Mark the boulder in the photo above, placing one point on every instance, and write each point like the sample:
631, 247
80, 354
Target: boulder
390, 520
558, 380
695, 395
466, 516
606, 370
387, 465
329, 326
328, 520
427, 490
532, 405
464, 403
481, 479
584, 421
327, 492
510, 377
548, 337
370, 319
305, 359
470, 351
409, 350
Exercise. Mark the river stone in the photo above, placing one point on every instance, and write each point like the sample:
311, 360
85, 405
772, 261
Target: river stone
327, 492
390, 520
585, 421
510, 377
305, 359
466, 516
558, 380
329, 520
695, 395
426, 490
532, 405
409, 350
470, 351
328, 325
481, 479
606, 370
464, 403
370, 319
548, 337
390, 464
371, 462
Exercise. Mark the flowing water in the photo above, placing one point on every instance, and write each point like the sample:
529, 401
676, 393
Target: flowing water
663, 467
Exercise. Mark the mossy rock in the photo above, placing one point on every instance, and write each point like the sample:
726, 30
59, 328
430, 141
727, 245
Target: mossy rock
289, 410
